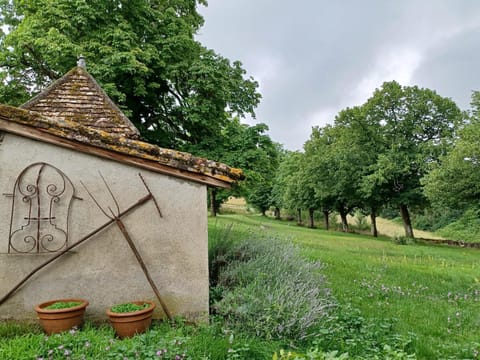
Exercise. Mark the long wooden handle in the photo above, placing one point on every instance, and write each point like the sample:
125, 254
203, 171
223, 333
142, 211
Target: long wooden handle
127, 237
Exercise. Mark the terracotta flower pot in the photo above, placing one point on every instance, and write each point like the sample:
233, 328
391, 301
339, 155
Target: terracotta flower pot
128, 324
58, 320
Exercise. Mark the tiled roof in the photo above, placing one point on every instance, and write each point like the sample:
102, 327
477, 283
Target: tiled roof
78, 97
76, 113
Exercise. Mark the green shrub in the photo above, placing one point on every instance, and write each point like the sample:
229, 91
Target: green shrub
222, 249
432, 219
312, 354
347, 331
316, 354
466, 228
361, 222
403, 240
271, 291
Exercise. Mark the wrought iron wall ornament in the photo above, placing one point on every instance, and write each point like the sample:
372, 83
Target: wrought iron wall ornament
42, 198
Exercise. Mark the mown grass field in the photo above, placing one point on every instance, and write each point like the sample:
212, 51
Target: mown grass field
431, 292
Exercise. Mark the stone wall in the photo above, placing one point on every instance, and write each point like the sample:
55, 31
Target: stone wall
103, 269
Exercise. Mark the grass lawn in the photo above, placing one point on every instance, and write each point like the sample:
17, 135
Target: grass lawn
432, 292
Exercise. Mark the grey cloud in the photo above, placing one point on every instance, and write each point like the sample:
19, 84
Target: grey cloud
324, 49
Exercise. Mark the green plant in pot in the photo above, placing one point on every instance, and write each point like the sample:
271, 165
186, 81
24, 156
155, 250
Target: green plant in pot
61, 315
131, 318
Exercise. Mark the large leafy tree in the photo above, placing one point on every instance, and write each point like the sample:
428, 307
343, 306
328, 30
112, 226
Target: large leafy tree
144, 54
360, 143
417, 127
331, 165
292, 189
455, 182
251, 149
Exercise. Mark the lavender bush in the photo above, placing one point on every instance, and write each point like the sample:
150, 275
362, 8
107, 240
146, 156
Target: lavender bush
273, 292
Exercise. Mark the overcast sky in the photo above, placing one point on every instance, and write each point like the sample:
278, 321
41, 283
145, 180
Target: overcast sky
313, 58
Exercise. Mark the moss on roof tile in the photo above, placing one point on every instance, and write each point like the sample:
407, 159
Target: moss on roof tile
71, 130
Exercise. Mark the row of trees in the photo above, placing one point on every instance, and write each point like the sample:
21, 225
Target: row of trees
405, 147
386, 152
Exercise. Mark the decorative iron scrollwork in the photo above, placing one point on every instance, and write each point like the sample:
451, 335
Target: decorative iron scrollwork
42, 198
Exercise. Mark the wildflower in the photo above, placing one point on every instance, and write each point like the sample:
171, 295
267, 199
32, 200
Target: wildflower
60, 347
87, 344
107, 348
67, 352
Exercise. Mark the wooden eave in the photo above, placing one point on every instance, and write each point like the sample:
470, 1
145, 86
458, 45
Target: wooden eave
71, 135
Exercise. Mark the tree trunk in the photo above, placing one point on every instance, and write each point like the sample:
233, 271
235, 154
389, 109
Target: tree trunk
407, 223
299, 216
343, 216
373, 220
326, 220
311, 223
277, 213
213, 202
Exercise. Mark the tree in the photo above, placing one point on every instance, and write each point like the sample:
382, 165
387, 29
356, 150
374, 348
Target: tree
251, 149
286, 186
332, 171
361, 143
143, 52
417, 126
455, 181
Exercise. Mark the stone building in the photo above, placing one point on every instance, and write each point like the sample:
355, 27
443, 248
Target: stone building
71, 168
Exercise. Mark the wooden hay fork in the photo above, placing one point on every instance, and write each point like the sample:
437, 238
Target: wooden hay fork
114, 218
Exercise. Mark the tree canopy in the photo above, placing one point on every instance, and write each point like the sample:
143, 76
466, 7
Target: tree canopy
144, 54
455, 182
374, 155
